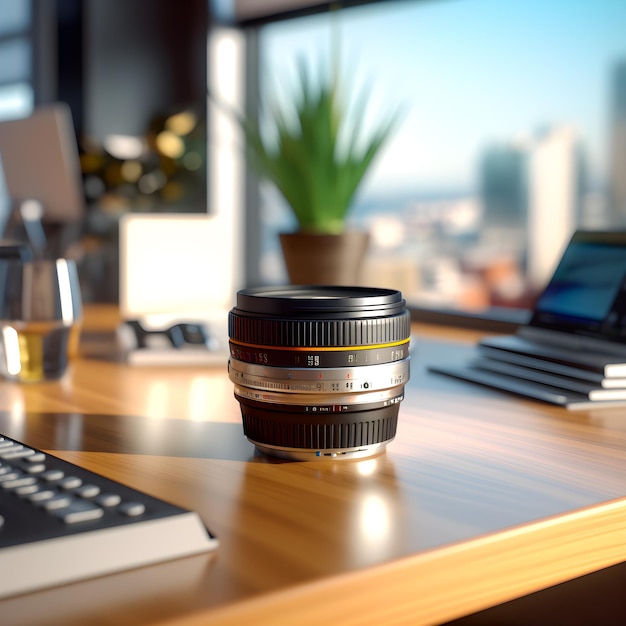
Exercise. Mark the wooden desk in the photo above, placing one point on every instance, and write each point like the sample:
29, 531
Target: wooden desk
481, 498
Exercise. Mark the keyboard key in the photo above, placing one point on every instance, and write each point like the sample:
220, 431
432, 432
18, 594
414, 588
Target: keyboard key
16, 454
108, 499
35, 468
37, 457
9, 476
20, 481
70, 482
58, 501
132, 509
27, 490
79, 511
86, 491
41, 495
10, 448
53, 475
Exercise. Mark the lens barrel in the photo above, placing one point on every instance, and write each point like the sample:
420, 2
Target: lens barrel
319, 371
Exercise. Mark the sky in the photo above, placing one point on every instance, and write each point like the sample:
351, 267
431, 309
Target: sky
466, 74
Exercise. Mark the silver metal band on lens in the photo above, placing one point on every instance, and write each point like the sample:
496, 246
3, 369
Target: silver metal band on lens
315, 403
300, 454
326, 380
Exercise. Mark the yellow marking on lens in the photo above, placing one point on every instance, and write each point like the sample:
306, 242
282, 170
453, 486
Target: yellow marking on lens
374, 346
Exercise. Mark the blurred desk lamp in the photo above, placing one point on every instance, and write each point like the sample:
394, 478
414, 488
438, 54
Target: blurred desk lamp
40, 164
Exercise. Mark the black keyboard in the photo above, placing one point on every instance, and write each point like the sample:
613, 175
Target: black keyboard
60, 523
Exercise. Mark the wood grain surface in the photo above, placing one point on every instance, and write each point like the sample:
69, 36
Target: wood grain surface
482, 497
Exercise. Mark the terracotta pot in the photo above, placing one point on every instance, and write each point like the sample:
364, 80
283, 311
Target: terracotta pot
313, 259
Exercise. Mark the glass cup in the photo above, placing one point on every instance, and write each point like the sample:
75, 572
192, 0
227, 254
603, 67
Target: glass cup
40, 318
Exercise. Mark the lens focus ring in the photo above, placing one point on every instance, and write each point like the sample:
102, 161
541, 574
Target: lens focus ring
319, 333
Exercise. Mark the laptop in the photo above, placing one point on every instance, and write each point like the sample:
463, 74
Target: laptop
572, 352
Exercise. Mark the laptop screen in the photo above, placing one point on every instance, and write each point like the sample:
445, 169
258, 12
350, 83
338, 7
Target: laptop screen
587, 293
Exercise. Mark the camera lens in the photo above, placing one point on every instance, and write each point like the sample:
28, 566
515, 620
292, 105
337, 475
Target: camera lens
319, 372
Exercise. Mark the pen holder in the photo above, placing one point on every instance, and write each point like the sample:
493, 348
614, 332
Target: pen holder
40, 318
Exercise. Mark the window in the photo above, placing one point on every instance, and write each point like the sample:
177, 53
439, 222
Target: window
16, 92
513, 136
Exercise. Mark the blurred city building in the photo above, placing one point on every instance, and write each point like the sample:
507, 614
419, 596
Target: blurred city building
617, 134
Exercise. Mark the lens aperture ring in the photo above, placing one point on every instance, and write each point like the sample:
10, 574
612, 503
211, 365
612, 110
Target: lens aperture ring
316, 358
327, 380
319, 333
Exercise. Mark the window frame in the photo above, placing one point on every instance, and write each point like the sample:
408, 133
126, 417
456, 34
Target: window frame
493, 319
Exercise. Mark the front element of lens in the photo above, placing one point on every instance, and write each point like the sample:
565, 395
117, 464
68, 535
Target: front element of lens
319, 371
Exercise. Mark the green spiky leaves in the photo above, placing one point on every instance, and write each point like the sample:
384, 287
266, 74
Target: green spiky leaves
315, 157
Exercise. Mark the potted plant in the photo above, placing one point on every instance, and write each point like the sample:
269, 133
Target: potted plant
314, 154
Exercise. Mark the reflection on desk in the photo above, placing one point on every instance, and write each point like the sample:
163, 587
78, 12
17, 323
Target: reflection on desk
481, 498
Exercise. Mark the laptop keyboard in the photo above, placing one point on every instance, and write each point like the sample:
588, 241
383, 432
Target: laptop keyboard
518, 386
